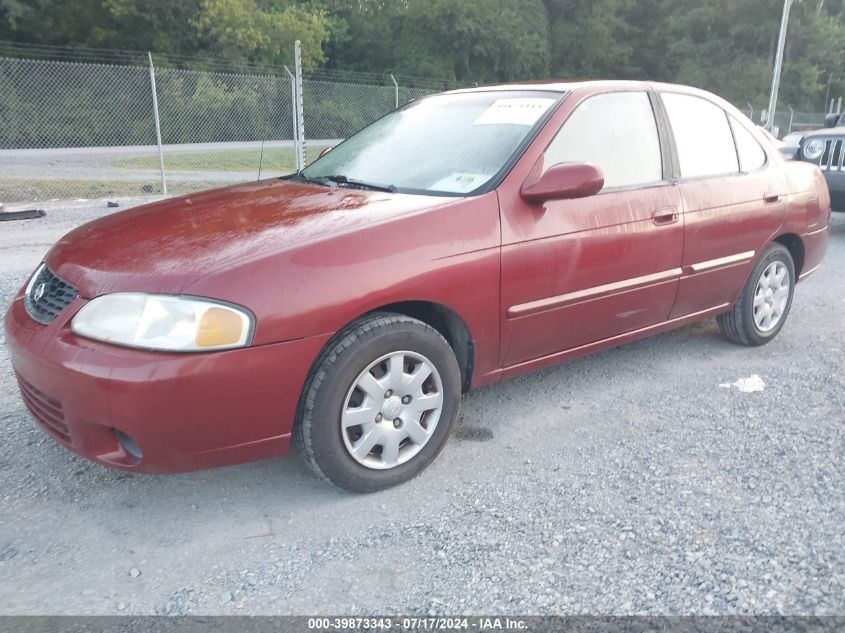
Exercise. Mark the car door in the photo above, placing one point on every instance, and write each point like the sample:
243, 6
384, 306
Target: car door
579, 271
734, 196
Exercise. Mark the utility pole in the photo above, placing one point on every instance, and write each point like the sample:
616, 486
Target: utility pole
773, 96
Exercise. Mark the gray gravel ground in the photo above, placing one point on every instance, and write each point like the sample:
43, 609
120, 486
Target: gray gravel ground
625, 482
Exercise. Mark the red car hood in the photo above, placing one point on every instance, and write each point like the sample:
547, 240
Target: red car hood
167, 245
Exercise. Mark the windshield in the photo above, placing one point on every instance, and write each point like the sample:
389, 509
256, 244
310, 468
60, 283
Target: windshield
446, 144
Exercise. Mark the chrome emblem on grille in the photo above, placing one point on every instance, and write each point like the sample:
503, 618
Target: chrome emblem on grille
38, 292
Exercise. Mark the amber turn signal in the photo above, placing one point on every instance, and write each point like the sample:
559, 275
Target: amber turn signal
219, 326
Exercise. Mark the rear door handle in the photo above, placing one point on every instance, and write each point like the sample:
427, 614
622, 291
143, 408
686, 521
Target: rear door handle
771, 198
664, 216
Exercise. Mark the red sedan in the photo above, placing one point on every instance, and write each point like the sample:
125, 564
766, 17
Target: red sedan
465, 238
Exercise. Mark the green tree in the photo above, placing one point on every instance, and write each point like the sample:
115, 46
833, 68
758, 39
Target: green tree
79, 23
261, 31
455, 40
728, 47
233, 31
161, 26
590, 38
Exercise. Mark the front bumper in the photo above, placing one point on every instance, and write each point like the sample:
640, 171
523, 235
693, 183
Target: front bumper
184, 411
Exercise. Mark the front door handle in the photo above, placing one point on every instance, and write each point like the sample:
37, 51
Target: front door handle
664, 216
771, 198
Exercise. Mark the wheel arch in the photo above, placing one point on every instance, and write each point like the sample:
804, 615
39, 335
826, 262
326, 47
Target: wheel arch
448, 323
442, 318
795, 246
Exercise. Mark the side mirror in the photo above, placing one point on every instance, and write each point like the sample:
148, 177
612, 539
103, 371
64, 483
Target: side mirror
564, 181
831, 119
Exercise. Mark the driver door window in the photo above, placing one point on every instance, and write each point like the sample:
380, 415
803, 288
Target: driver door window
617, 133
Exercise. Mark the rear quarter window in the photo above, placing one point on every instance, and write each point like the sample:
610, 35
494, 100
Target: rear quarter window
751, 156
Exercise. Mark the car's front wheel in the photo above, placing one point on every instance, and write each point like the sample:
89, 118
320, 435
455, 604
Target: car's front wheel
380, 403
764, 302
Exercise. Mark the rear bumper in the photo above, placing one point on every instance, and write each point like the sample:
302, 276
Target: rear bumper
815, 247
184, 411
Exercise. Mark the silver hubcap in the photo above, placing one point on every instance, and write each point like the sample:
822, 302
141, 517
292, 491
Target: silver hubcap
391, 410
770, 296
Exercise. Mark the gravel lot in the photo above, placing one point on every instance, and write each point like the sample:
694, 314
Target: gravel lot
626, 482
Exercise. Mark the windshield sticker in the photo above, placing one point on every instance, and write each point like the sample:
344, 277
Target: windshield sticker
459, 182
514, 112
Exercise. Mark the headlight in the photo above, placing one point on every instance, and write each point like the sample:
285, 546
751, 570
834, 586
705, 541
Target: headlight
163, 322
813, 148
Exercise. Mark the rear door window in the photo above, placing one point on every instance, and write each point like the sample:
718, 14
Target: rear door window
702, 136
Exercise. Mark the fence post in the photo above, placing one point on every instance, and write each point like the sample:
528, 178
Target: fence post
158, 125
300, 118
750, 110
295, 133
791, 117
395, 91
827, 93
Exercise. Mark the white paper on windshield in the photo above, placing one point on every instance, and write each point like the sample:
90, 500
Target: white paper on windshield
459, 182
514, 112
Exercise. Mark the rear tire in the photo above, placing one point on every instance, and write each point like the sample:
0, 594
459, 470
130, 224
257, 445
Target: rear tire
765, 300
379, 404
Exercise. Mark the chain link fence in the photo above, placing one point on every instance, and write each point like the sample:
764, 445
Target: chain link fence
788, 120
71, 130
81, 129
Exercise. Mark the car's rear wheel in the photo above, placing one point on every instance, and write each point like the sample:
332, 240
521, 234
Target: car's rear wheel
380, 403
764, 302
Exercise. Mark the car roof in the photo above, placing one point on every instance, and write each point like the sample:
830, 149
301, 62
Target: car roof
591, 85
597, 86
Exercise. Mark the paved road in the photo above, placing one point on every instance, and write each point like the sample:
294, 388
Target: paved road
626, 482
96, 163
130, 150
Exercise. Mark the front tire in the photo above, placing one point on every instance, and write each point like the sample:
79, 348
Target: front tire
764, 302
379, 404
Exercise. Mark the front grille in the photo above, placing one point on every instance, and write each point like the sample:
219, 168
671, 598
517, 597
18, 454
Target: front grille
833, 156
47, 295
47, 410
